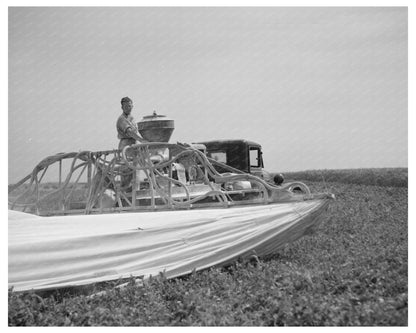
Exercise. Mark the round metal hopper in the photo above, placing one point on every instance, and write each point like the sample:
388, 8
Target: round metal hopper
156, 128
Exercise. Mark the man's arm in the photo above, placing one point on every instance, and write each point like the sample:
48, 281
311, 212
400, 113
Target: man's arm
131, 133
126, 129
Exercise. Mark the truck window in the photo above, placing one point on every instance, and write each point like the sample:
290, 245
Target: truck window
255, 157
219, 156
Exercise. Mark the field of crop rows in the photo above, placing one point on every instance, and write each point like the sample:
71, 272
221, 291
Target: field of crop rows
352, 270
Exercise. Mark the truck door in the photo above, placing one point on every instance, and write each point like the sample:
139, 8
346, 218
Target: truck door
255, 159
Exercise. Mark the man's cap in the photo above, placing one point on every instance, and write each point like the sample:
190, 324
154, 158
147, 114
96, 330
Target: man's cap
125, 100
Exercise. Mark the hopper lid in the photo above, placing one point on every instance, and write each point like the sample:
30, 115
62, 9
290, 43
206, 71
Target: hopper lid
155, 116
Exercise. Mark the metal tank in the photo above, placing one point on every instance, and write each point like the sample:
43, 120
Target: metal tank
156, 128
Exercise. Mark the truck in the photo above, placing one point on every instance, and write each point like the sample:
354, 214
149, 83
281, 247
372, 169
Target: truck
246, 156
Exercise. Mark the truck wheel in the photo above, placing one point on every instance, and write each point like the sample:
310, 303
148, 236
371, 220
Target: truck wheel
298, 188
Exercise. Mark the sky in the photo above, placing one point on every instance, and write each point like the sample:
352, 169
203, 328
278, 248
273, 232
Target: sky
317, 87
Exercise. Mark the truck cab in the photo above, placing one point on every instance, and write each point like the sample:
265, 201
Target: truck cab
243, 155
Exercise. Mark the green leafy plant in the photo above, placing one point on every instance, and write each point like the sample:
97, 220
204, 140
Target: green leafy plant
352, 270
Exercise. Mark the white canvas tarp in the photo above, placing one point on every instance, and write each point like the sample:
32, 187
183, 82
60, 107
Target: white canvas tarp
61, 251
